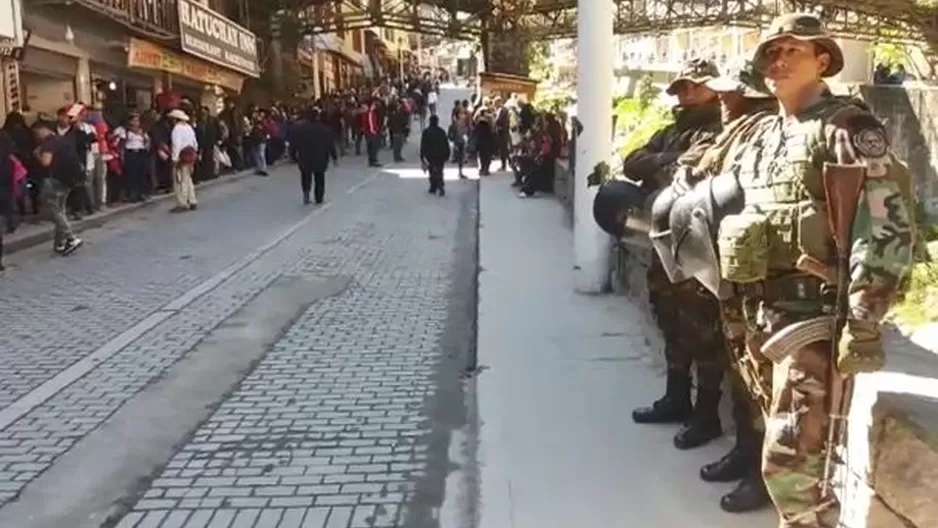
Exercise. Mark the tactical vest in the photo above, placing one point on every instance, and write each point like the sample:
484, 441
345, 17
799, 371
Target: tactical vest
786, 214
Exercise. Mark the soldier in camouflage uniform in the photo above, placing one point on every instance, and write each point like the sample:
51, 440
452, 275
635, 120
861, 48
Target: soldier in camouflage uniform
776, 253
684, 312
746, 101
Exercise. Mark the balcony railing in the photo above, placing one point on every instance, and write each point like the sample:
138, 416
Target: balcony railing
157, 17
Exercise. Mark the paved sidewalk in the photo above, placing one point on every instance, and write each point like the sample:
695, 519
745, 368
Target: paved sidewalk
559, 375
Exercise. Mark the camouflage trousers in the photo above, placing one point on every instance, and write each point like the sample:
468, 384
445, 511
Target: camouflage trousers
794, 395
686, 314
754, 375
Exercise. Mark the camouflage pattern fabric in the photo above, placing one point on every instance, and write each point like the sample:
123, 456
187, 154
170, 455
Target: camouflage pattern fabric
754, 373
883, 236
655, 163
796, 432
685, 312
797, 418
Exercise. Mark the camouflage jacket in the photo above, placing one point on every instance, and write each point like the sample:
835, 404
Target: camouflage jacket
655, 163
844, 134
720, 155
883, 230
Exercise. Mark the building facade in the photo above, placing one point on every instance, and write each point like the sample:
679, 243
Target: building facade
12, 41
662, 55
85, 52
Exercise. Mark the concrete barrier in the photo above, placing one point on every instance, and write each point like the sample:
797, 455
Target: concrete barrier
563, 186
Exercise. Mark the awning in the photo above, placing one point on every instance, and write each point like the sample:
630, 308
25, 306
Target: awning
331, 43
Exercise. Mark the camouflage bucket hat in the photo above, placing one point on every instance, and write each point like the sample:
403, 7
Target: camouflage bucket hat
801, 26
741, 77
697, 71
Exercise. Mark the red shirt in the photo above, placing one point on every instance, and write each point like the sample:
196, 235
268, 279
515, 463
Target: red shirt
370, 124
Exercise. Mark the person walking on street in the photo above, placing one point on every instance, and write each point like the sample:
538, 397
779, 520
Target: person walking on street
185, 154
59, 159
434, 151
7, 187
315, 143
371, 127
398, 127
459, 133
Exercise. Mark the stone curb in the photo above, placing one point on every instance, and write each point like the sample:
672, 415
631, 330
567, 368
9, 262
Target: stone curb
13, 244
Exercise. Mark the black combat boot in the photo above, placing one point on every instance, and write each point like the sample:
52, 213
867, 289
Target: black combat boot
705, 425
749, 495
673, 407
744, 457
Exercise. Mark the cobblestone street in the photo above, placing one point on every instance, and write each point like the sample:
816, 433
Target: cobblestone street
330, 422
387, 359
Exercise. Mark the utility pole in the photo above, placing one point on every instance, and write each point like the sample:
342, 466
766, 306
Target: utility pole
400, 62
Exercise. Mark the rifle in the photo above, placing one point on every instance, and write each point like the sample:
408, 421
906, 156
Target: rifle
843, 185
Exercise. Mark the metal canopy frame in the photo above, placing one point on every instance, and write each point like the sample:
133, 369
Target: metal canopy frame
887, 20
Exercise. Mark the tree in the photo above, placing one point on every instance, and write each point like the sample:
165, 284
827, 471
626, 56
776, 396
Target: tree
537, 55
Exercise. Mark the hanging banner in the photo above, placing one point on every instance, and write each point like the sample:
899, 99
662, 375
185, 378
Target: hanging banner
10, 79
209, 35
149, 56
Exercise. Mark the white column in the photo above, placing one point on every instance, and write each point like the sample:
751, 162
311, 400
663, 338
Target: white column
595, 44
317, 88
83, 88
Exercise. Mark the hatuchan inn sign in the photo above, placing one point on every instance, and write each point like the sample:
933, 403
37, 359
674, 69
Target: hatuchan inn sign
209, 35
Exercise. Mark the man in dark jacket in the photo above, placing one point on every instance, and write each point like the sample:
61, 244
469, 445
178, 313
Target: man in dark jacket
398, 128
434, 151
58, 157
315, 144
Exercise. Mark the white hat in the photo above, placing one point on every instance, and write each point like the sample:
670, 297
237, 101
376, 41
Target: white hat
178, 114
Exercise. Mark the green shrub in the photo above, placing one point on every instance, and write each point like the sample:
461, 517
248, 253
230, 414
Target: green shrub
919, 304
639, 117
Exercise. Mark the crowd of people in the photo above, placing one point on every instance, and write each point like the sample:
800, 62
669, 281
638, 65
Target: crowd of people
83, 160
525, 140
778, 210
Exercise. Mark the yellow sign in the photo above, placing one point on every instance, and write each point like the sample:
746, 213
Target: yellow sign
149, 56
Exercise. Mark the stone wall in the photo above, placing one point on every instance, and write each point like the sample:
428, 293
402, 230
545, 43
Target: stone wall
911, 117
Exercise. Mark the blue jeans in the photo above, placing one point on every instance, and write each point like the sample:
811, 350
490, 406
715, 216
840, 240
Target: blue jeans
260, 157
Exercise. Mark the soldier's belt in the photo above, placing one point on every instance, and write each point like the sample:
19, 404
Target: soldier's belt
788, 288
797, 335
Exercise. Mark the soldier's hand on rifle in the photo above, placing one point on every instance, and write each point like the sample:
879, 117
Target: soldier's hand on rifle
860, 348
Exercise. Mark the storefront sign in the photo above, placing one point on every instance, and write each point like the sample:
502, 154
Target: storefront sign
501, 83
209, 35
149, 56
